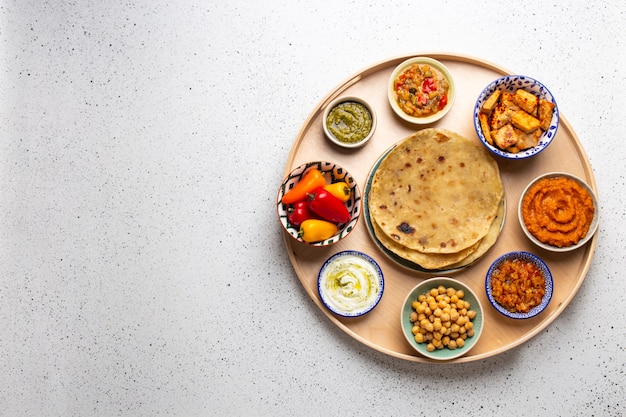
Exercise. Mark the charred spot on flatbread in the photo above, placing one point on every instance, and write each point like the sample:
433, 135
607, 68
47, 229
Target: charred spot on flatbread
405, 228
436, 261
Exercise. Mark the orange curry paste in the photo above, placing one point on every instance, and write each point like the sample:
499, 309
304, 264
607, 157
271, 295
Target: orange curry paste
558, 211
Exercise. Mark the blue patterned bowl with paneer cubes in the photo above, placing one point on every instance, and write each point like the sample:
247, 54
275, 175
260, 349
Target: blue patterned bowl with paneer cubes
516, 117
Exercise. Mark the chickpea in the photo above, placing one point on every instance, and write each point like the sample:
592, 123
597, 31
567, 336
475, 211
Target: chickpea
442, 319
454, 315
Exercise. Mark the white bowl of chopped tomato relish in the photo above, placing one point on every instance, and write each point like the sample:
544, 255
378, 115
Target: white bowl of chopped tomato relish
519, 285
421, 90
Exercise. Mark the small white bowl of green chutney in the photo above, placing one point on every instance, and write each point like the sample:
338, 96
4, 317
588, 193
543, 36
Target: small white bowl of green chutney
349, 122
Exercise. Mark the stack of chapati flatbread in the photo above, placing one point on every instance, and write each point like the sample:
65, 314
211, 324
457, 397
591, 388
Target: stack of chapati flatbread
437, 200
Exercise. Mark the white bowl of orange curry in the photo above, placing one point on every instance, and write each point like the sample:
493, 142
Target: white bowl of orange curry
558, 212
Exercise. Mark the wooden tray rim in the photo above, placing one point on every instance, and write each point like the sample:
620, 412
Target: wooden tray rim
564, 124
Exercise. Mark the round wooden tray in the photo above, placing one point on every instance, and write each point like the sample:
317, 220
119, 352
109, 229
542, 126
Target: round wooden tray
380, 329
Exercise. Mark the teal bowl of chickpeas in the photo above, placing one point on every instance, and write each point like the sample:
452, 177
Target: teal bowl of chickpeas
442, 318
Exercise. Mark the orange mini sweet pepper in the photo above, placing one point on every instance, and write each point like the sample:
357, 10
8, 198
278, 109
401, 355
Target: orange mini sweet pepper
311, 180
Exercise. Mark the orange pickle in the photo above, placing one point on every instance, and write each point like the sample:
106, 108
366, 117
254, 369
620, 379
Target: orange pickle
518, 285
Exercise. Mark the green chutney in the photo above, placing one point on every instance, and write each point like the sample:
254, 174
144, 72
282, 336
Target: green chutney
349, 122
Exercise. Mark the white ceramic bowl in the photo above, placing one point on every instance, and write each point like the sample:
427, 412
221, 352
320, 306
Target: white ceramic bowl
358, 125
333, 173
350, 283
592, 227
407, 325
545, 271
511, 83
391, 94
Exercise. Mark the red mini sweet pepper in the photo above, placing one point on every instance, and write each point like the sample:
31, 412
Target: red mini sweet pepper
299, 212
328, 207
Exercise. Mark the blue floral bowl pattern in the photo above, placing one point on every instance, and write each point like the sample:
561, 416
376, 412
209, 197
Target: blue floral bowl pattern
511, 83
364, 309
527, 256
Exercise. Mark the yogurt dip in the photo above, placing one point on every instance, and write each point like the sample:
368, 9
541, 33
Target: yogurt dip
350, 283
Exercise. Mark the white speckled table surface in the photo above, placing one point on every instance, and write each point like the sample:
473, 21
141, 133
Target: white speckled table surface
143, 271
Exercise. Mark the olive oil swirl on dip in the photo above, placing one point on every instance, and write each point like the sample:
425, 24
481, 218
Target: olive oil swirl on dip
349, 122
350, 284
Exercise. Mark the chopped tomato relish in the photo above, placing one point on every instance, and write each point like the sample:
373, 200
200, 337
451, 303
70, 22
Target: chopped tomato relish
421, 90
518, 285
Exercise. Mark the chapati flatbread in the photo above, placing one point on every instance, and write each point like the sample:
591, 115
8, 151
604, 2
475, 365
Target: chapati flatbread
425, 260
486, 242
436, 192
438, 261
